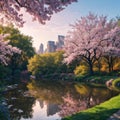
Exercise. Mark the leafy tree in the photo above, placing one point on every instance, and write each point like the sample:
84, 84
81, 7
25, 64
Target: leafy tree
5, 71
23, 42
17, 62
47, 64
81, 70
41, 10
92, 37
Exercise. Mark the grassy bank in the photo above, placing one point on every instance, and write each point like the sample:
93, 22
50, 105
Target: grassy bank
99, 112
100, 79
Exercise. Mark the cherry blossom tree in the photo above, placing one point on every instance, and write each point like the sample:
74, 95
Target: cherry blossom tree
112, 45
6, 50
92, 37
41, 10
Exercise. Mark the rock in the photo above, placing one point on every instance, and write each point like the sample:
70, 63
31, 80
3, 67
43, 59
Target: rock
20, 111
109, 83
13, 98
15, 84
118, 84
32, 77
4, 103
10, 86
9, 106
115, 116
19, 90
15, 109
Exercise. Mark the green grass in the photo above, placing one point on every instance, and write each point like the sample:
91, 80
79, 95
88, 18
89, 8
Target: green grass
100, 79
99, 112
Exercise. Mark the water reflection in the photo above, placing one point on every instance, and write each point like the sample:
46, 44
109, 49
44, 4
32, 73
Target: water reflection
19, 106
53, 100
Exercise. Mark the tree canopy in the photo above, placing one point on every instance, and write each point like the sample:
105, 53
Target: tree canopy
47, 64
91, 38
17, 62
41, 10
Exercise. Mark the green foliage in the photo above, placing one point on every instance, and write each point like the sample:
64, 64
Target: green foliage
47, 64
99, 78
4, 71
99, 112
81, 70
18, 62
21, 41
116, 84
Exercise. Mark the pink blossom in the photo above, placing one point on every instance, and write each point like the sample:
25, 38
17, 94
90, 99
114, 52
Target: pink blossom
6, 50
41, 10
92, 37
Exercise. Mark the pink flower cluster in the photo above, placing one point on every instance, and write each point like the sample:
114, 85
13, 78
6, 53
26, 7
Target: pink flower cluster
92, 37
41, 10
6, 50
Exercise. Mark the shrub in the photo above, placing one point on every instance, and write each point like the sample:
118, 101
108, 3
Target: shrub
81, 70
116, 84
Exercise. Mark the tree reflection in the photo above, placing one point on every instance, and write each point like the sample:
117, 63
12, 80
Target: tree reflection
88, 96
51, 92
69, 97
19, 106
71, 105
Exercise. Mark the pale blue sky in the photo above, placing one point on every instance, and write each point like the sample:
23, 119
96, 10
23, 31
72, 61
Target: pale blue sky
59, 23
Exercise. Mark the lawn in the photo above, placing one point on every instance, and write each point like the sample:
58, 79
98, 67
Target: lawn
100, 79
99, 112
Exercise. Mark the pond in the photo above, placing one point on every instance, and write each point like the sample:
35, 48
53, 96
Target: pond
53, 100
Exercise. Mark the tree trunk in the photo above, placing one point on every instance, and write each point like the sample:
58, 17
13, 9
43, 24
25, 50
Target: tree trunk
110, 64
91, 68
99, 66
111, 60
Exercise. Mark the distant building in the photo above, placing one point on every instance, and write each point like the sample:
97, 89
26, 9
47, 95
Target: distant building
51, 46
60, 42
41, 49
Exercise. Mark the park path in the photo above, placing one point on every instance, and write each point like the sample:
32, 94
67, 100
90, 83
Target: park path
115, 116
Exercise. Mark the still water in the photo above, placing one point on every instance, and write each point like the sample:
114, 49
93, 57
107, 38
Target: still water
53, 100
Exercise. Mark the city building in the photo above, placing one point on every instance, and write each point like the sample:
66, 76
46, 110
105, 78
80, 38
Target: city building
41, 49
60, 42
51, 47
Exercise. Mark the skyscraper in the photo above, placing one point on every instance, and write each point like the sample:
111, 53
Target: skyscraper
60, 42
51, 46
41, 49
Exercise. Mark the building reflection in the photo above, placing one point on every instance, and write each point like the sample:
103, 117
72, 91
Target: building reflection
52, 109
41, 103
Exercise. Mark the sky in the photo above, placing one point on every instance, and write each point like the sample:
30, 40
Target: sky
60, 22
